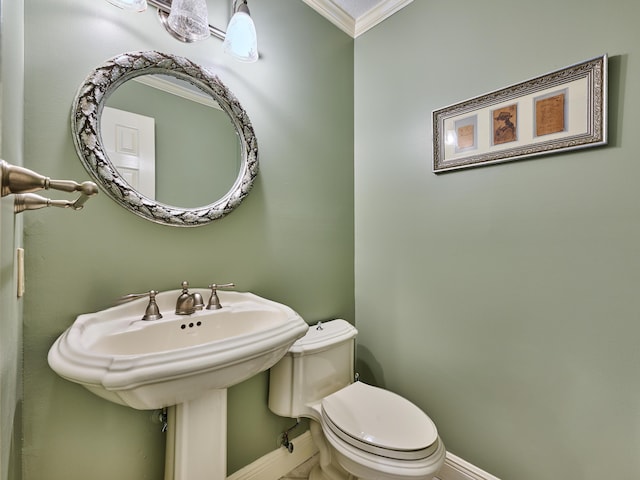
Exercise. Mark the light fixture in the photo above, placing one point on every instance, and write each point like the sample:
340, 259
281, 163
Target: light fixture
186, 20
189, 20
135, 5
241, 41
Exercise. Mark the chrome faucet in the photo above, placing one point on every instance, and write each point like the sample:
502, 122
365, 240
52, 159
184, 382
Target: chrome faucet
214, 300
152, 312
188, 303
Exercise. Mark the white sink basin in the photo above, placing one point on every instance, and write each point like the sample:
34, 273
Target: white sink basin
158, 363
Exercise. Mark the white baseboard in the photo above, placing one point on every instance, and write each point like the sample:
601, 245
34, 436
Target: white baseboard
278, 463
456, 468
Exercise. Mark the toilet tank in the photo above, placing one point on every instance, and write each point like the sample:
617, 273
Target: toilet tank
316, 365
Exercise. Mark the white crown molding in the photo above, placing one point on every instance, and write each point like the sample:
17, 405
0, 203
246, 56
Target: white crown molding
356, 27
177, 90
334, 14
381, 12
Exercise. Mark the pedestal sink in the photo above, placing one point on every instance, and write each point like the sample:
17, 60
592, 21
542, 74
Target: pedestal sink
185, 362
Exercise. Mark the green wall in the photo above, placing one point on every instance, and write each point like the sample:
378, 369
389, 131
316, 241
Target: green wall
291, 240
11, 131
503, 300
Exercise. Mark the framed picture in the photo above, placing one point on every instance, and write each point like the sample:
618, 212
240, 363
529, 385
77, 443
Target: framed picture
561, 110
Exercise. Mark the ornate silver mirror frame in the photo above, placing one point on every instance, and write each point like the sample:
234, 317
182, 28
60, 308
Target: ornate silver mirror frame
85, 125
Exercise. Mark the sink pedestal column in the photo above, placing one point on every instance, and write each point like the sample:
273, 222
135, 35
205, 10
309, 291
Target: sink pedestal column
197, 438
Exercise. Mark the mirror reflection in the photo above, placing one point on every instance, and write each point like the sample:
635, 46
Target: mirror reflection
170, 142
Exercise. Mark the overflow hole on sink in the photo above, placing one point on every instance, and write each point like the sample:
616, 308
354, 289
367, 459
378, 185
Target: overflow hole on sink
190, 325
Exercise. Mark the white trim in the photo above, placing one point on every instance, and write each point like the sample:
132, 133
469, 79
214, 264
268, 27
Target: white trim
278, 463
177, 89
381, 12
456, 468
356, 27
334, 14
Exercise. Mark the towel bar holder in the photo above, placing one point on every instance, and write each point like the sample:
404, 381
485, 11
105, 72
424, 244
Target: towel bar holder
22, 182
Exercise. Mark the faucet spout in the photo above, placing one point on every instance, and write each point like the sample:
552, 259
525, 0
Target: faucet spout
186, 303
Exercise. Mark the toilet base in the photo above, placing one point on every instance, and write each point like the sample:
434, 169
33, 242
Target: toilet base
326, 468
362, 469
318, 474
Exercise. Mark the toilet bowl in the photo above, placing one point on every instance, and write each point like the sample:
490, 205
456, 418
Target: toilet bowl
361, 431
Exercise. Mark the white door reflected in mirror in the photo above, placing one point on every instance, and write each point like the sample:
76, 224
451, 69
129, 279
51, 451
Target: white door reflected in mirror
129, 140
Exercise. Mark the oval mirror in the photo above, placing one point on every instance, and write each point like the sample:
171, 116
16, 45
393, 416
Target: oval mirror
165, 138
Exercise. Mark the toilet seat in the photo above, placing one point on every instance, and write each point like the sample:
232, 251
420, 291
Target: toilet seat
380, 422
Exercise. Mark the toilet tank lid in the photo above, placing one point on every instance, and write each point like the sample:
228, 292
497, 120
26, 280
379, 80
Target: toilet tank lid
323, 335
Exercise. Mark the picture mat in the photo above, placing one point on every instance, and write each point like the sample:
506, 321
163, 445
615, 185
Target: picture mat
576, 121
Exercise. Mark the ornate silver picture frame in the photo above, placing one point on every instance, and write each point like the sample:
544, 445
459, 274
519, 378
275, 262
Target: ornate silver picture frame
562, 110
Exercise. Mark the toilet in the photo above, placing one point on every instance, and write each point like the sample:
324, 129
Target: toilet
361, 431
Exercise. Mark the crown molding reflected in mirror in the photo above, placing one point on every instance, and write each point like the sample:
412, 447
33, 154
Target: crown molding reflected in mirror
86, 128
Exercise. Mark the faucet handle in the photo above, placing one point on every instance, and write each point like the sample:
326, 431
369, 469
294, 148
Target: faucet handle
152, 311
214, 300
134, 296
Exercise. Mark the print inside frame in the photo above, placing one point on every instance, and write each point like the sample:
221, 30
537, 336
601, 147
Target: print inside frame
562, 110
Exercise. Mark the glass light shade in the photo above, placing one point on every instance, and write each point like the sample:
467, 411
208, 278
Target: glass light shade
135, 5
241, 41
189, 19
